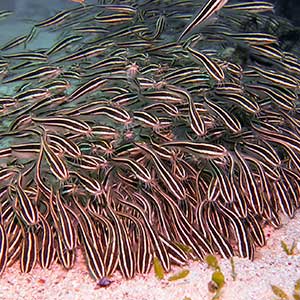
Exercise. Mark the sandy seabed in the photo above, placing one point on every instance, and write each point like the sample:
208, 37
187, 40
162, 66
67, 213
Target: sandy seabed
271, 266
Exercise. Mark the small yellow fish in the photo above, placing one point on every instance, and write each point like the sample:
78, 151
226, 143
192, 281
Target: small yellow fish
79, 1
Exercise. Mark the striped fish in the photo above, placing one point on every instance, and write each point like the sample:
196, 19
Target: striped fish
159, 28
285, 98
7, 174
138, 169
230, 121
38, 178
255, 230
56, 164
66, 257
157, 206
244, 243
34, 56
212, 68
63, 222
87, 221
115, 113
205, 150
92, 251
209, 8
111, 255
91, 185
63, 44
143, 251
65, 145
90, 162
177, 251
187, 233
174, 186
146, 119
224, 182
251, 186
114, 19
15, 238
239, 204
168, 108
68, 123
165, 96
57, 19
29, 251
196, 120
56, 86
89, 87
5, 13
26, 208
32, 95
14, 42
266, 152
252, 7
46, 244
269, 51
286, 140
81, 54
120, 8
253, 38
213, 191
159, 248
292, 185
42, 73
277, 78
3, 248
218, 239
127, 260
281, 193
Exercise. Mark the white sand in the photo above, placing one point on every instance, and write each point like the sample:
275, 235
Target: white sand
271, 266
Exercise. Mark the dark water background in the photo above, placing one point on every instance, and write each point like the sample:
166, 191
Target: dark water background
289, 9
